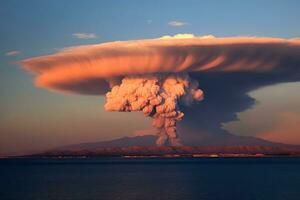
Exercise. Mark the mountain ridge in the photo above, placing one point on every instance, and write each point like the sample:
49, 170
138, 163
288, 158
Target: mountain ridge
145, 146
149, 140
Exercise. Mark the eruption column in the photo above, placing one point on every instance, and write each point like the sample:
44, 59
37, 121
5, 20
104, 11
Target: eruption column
159, 97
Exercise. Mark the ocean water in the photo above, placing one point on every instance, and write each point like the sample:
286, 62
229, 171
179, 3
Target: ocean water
150, 178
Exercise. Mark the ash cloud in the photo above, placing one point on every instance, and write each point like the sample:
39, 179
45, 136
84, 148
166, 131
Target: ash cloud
225, 96
68, 69
226, 69
157, 96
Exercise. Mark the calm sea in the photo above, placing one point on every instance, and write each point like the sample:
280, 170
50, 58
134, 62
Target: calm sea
153, 179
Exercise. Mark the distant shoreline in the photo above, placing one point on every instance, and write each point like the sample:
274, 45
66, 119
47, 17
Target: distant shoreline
168, 152
196, 156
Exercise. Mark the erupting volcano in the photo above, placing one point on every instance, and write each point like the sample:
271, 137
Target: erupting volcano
156, 76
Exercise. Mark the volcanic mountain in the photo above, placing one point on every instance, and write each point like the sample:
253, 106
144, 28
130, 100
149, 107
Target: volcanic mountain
145, 146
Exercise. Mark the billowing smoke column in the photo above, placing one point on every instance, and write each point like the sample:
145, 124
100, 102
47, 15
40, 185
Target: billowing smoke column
158, 96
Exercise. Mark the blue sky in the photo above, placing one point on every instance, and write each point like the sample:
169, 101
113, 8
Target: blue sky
32, 28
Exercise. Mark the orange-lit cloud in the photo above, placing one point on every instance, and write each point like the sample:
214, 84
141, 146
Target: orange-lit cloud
145, 132
87, 69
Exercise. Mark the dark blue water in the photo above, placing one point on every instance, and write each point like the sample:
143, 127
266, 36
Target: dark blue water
153, 179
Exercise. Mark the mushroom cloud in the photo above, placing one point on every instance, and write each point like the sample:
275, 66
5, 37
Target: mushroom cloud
155, 76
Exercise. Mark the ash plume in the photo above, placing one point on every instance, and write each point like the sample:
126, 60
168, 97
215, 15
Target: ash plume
156, 76
157, 96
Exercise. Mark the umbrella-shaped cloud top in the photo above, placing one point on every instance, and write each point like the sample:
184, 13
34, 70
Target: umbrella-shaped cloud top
89, 69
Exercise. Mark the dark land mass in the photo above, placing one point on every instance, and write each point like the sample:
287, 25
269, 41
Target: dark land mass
144, 146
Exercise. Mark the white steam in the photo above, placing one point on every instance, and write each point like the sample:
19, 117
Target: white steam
158, 96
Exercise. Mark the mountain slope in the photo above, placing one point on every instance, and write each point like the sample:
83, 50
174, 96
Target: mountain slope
149, 140
145, 146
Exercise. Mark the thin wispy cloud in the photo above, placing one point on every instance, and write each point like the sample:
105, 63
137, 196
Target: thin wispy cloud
12, 53
144, 132
177, 23
84, 35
